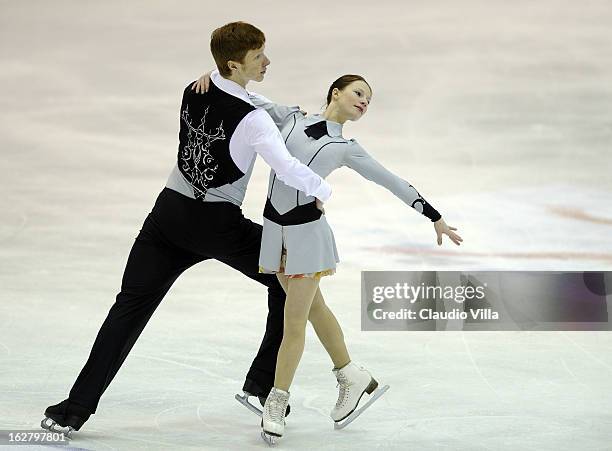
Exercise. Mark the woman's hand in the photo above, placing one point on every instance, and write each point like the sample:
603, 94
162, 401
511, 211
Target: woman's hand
201, 86
320, 205
442, 229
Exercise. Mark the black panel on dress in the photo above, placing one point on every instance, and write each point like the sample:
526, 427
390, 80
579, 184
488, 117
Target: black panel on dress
301, 214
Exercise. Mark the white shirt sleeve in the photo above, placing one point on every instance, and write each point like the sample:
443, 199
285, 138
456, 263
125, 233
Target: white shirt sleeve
267, 141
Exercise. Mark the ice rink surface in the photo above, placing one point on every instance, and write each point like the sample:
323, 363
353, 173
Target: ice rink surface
500, 113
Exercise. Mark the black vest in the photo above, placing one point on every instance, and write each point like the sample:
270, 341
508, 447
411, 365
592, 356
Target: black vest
208, 122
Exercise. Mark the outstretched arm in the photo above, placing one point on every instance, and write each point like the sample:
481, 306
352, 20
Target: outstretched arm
362, 162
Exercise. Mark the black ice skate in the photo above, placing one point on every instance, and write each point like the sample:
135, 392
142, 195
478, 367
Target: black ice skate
65, 417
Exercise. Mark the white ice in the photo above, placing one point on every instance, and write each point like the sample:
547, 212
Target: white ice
500, 113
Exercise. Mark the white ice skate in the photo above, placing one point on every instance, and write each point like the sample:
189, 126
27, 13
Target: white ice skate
273, 417
353, 382
244, 400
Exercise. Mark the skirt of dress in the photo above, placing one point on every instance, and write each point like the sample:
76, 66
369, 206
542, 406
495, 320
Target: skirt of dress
310, 249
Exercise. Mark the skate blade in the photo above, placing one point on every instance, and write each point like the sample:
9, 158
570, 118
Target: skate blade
50, 425
244, 400
373, 397
269, 439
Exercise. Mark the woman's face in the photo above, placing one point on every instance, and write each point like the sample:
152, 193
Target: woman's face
353, 100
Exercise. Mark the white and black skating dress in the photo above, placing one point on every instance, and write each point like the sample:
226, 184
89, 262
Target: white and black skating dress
296, 235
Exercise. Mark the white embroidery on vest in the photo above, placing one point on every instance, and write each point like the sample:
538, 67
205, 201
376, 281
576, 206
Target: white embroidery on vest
198, 163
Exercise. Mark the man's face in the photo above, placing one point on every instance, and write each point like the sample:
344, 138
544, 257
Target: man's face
254, 65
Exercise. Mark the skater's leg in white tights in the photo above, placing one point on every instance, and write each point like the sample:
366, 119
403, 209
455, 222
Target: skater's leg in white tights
330, 334
326, 326
329, 331
300, 295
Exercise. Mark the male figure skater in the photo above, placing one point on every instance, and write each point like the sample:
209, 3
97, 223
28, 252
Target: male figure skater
196, 217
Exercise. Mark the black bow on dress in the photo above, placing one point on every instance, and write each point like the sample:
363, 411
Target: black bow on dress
316, 130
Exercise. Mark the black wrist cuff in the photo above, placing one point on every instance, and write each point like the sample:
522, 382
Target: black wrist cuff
431, 212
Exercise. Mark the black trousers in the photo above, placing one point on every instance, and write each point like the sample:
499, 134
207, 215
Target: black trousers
176, 235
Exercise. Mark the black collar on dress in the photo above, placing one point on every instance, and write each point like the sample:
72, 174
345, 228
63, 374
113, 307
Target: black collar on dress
316, 130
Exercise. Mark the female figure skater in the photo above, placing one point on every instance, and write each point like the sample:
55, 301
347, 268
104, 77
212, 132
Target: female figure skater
298, 244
